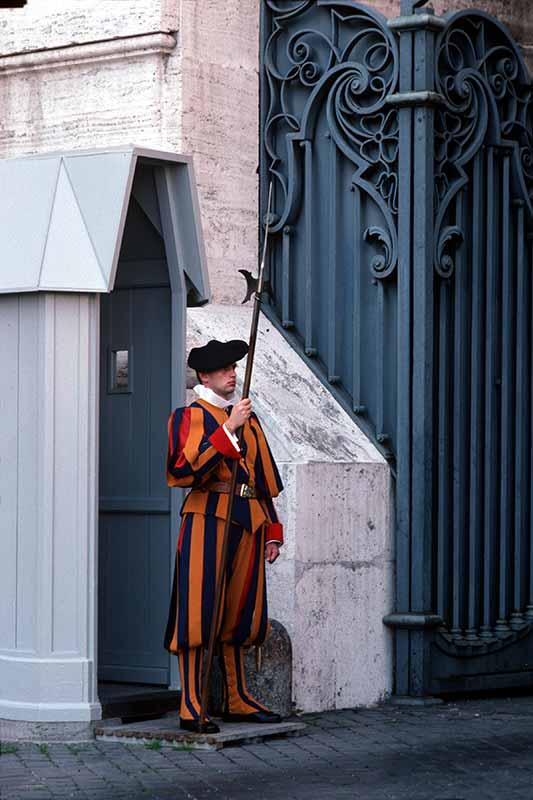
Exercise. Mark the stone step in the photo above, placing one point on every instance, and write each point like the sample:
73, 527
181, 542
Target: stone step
167, 732
135, 706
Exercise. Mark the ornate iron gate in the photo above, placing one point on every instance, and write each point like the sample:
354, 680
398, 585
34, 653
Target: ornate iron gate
402, 161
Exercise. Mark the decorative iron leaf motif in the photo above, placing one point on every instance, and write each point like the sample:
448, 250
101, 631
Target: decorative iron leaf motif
450, 237
382, 264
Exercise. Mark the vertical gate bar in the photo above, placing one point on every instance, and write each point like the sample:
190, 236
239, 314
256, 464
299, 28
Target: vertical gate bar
380, 358
333, 311
357, 306
310, 350
521, 447
422, 486
490, 465
444, 525
476, 403
404, 379
286, 319
507, 409
271, 271
460, 432
529, 608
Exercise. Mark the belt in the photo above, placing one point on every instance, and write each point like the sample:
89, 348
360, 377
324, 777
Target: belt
241, 489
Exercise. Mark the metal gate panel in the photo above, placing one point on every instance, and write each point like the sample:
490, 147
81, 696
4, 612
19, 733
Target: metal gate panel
400, 155
331, 148
482, 358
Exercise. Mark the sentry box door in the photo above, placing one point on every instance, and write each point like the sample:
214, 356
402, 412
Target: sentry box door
135, 547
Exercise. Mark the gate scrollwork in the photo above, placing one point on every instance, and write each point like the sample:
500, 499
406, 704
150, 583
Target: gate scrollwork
340, 57
485, 85
483, 204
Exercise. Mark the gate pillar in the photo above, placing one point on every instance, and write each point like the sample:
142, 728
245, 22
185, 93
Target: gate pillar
414, 620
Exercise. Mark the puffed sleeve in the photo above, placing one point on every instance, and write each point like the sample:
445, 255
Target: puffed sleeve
192, 454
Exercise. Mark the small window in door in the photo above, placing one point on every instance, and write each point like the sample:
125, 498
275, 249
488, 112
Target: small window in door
120, 370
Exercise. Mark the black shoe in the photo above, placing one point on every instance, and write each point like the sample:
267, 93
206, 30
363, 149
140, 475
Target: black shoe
266, 717
193, 725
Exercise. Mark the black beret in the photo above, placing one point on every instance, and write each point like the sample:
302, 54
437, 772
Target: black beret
215, 355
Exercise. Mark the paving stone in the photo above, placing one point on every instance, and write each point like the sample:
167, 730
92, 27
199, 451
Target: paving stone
462, 751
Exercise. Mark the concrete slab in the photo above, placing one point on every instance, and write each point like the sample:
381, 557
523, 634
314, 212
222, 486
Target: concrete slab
167, 731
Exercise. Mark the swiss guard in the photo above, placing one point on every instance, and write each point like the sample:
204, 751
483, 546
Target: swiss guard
202, 448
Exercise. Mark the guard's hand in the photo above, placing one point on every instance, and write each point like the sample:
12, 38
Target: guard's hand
239, 414
271, 552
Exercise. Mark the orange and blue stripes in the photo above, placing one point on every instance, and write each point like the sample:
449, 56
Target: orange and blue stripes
243, 619
237, 699
199, 451
190, 663
197, 446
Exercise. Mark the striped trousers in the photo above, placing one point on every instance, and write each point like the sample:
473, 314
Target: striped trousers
243, 617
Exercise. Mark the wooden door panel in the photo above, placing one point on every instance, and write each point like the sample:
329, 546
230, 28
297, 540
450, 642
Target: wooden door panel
134, 543
133, 597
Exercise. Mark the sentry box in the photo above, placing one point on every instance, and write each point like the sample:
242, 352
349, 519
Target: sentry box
101, 253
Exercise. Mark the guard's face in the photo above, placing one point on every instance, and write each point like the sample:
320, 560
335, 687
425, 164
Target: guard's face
222, 381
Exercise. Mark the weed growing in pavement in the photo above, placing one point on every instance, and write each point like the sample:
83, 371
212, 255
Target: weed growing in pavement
155, 745
43, 749
6, 747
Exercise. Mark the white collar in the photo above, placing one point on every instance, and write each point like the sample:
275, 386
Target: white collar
204, 393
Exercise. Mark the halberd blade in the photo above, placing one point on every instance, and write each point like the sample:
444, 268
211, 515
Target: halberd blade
252, 284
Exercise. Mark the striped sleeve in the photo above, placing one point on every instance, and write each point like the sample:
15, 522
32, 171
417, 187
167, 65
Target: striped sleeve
266, 466
274, 529
193, 453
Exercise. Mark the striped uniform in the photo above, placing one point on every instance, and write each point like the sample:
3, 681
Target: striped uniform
199, 454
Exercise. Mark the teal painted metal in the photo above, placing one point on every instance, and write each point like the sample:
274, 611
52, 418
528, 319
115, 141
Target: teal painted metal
482, 367
402, 160
331, 145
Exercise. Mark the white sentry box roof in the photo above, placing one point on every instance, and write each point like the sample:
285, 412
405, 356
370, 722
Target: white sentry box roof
62, 217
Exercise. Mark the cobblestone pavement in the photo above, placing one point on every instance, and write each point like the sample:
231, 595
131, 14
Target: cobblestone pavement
473, 750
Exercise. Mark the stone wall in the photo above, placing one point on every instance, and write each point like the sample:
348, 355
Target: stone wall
219, 42
112, 72
88, 76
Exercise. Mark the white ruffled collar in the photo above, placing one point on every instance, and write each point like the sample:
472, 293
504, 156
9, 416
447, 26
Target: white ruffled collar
204, 393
